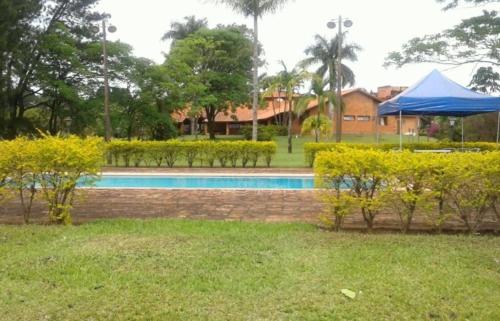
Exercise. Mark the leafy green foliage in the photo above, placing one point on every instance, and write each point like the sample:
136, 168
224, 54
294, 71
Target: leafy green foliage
319, 124
208, 71
265, 133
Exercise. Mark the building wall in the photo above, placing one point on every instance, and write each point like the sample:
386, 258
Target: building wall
361, 108
360, 117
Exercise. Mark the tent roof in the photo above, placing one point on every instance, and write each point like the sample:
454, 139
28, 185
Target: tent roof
437, 95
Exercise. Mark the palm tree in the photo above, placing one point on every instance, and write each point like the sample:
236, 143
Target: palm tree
255, 9
325, 53
321, 96
289, 81
181, 30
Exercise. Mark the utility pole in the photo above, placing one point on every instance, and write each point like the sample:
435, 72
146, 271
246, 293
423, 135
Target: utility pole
332, 24
338, 133
108, 131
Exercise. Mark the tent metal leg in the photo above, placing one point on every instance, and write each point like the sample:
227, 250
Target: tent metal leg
463, 133
498, 128
401, 130
377, 130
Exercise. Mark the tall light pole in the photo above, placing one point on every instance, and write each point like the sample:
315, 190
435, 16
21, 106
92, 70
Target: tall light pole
108, 131
332, 24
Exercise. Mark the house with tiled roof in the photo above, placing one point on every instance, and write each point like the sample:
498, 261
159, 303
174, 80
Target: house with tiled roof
359, 117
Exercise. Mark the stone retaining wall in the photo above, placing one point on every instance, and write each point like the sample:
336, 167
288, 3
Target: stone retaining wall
231, 205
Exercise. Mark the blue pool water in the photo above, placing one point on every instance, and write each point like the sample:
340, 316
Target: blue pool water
204, 182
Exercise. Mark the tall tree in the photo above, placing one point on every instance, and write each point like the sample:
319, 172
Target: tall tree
209, 71
476, 40
37, 32
181, 30
325, 54
486, 80
255, 9
450, 4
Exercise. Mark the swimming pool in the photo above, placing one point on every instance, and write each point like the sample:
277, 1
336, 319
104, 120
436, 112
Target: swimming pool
203, 182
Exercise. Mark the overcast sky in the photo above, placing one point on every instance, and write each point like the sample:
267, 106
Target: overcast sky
379, 27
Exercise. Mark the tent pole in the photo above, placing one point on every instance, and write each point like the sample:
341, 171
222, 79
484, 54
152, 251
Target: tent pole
498, 128
418, 129
377, 131
401, 130
463, 133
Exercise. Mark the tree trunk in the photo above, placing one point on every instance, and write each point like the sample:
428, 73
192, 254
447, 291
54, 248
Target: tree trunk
209, 111
317, 125
255, 101
290, 126
193, 126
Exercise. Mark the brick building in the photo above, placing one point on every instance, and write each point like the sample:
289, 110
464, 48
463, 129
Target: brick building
359, 117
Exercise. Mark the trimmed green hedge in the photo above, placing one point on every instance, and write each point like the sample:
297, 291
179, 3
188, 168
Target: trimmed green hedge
311, 149
159, 153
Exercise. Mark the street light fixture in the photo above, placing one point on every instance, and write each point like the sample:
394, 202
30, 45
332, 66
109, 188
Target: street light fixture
332, 24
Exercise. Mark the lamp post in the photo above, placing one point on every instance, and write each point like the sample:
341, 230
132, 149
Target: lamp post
67, 125
108, 131
453, 121
332, 24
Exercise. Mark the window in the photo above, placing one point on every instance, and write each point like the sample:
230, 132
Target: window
383, 121
234, 126
363, 118
348, 117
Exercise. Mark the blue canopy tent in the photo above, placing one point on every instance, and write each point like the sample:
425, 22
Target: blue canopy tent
436, 95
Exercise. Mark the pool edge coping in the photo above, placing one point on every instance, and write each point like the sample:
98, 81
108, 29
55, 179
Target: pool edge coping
209, 174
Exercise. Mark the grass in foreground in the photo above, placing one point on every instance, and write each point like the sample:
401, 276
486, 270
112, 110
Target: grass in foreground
191, 270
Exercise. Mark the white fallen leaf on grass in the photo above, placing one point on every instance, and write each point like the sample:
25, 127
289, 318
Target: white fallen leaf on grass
348, 293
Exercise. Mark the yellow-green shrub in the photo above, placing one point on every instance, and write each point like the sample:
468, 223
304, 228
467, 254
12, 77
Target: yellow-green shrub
408, 184
311, 149
192, 150
63, 161
50, 165
465, 185
172, 150
361, 173
21, 164
474, 187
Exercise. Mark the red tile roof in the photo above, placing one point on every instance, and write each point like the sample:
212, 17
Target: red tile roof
244, 114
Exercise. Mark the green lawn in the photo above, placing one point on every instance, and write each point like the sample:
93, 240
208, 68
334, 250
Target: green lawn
192, 270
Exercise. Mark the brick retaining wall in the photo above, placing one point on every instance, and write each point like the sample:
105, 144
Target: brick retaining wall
234, 205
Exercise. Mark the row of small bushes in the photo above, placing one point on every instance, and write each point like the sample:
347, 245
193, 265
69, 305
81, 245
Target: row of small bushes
159, 153
461, 185
264, 133
48, 168
311, 149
